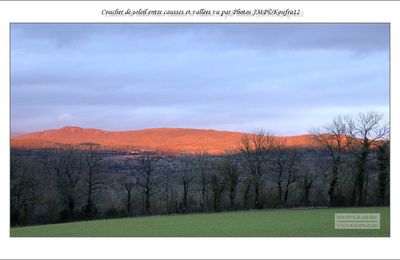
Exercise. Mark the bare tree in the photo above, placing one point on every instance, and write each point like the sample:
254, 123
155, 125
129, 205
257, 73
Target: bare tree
186, 175
256, 149
285, 161
278, 163
144, 169
246, 192
203, 165
218, 185
92, 159
383, 156
334, 140
168, 175
127, 182
67, 165
24, 189
311, 169
365, 131
228, 168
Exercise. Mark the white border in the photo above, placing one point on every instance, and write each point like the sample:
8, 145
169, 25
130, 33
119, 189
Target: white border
309, 248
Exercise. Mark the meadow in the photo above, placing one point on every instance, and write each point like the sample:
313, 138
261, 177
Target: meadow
254, 223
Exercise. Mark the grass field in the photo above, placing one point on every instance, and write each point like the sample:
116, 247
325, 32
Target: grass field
262, 223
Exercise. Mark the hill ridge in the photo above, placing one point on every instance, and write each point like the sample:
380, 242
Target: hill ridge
190, 140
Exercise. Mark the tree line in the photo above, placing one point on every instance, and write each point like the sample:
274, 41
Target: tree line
349, 165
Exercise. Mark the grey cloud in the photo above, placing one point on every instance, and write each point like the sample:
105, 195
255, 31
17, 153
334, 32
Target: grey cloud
359, 37
135, 76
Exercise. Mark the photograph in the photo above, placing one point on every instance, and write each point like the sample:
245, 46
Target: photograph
199, 129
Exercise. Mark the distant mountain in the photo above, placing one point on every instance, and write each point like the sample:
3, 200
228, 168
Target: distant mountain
173, 140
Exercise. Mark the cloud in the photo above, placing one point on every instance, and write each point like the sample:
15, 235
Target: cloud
355, 37
238, 76
66, 117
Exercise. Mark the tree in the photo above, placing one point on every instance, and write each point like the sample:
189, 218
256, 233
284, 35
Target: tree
144, 169
310, 170
364, 131
383, 156
203, 164
68, 165
127, 182
246, 192
334, 140
285, 162
186, 176
168, 175
228, 168
92, 159
217, 186
256, 149
24, 189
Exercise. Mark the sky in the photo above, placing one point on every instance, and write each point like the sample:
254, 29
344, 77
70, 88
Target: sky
284, 78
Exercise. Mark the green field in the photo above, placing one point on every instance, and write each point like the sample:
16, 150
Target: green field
261, 223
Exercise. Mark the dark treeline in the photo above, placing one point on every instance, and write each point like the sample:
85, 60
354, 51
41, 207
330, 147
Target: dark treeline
349, 166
